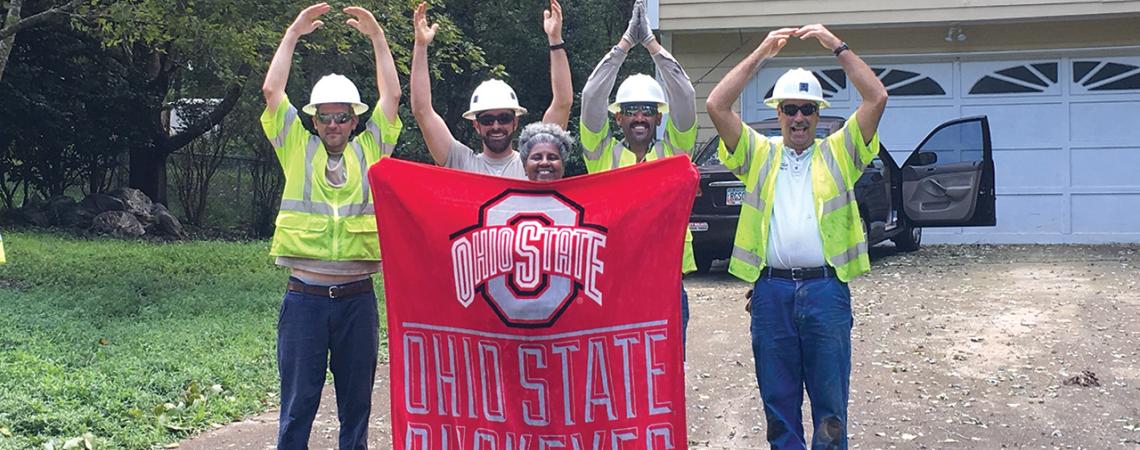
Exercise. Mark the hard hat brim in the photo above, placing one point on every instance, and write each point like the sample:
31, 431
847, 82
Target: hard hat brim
774, 102
471, 113
615, 107
357, 108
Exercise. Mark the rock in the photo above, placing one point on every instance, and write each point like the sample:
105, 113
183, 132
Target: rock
165, 224
1086, 378
34, 212
95, 204
136, 203
35, 217
118, 223
64, 212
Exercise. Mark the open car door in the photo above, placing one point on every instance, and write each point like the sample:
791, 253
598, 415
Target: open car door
949, 179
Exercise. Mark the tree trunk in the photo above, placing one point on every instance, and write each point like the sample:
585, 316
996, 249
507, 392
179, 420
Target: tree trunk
10, 22
148, 163
148, 172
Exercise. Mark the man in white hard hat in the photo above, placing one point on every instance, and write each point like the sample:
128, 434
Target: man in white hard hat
494, 108
326, 234
800, 239
638, 109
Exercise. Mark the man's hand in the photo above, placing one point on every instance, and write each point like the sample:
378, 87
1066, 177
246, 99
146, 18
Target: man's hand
552, 23
425, 34
364, 22
775, 41
308, 21
638, 28
643, 28
821, 34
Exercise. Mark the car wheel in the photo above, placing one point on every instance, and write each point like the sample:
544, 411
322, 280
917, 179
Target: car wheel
704, 263
909, 239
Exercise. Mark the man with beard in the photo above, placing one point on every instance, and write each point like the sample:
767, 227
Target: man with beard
326, 233
638, 109
494, 108
800, 239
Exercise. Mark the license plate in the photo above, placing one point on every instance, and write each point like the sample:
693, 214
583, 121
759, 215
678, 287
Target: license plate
698, 226
733, 196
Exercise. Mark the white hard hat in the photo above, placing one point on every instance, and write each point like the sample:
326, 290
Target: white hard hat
492, 95
797, 84
640, 88
333, 88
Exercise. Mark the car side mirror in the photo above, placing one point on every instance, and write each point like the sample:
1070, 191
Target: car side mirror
927, 158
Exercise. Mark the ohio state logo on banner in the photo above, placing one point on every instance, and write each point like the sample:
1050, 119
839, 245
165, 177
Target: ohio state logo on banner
528, 256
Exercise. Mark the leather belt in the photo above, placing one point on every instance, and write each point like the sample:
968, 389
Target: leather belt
808, 273
335, 291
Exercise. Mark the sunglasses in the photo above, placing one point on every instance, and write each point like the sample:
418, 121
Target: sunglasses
648, 110
488, 119
807, 108
340, 117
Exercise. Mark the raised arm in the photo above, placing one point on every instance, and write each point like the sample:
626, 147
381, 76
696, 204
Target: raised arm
387, 82
436, 134
678, 88
278, 74
719, 103
872, 91
596, 92
560, 85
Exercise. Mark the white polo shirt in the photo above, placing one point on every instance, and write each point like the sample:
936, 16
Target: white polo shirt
794, 240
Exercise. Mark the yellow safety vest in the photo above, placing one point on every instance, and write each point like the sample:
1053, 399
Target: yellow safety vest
836, 165
2, 259
603, 152
317, 220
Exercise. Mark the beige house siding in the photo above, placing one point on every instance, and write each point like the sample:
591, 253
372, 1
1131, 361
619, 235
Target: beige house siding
695, 15
708, 56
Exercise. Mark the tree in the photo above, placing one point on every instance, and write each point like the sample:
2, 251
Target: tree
65, 103
197, 163
13, 23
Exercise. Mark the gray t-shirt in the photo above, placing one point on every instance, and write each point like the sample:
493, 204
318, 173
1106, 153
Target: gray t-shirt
463, 158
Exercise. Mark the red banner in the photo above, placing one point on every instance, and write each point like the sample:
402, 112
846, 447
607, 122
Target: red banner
534, 315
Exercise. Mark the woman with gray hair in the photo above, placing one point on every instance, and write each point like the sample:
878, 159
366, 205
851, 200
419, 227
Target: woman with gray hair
544, 148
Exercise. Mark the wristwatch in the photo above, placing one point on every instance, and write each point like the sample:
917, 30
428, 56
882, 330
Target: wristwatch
842, 48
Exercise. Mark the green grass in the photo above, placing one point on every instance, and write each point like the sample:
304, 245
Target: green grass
136, 343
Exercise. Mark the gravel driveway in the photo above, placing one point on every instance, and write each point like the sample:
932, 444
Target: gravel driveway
953, 347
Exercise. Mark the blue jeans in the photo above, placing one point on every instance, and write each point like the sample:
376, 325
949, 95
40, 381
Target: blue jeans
315, 333
801, 338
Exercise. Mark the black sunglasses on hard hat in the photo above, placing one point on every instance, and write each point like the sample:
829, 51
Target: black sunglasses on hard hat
648, 109
340, 117
489, 119
807, 108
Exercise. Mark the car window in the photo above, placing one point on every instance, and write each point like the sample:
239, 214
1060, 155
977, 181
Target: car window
707, 156
956, 143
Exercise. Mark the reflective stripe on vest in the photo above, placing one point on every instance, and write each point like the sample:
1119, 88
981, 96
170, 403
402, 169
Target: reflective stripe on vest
740, 170
307, 205
843, 198
753, 198
290, 116
386, 149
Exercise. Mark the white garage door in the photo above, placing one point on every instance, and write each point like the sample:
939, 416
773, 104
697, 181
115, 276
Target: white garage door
1066, 137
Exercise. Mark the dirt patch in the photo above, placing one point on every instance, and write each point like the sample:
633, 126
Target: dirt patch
953, 347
